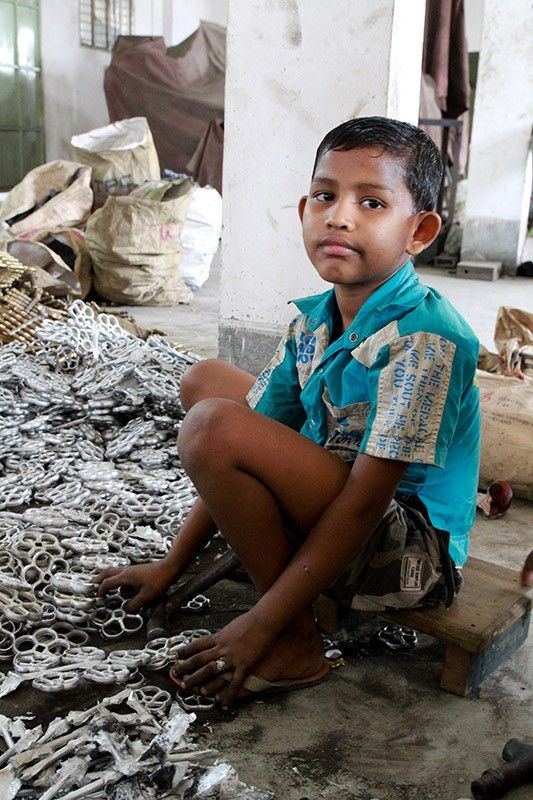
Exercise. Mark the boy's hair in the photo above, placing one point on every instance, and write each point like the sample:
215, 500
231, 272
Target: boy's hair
422, 162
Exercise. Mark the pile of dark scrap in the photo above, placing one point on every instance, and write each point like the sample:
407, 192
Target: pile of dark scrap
131, 746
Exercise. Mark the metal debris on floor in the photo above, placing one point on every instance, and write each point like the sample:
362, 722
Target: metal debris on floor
133, 745
90, 478
90, 416
386, 638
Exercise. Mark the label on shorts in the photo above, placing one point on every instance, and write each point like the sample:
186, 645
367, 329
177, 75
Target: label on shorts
411, 575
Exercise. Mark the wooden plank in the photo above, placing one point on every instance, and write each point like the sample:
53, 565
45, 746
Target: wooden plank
498, 652
490, 602
463, 672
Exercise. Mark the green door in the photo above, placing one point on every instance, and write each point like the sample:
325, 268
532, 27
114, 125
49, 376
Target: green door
21, 101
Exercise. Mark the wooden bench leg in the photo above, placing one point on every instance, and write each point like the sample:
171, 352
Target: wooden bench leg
464, 671
455, 677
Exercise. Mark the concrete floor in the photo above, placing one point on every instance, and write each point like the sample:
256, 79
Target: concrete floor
380, 727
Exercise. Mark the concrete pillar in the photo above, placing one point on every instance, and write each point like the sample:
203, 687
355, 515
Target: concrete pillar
499, 170
295, 69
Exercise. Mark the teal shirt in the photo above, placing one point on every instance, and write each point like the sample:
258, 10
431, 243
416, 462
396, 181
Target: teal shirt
399, 383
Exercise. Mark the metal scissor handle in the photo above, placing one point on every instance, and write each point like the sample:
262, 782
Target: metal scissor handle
79, 311
197, 604
57, 681
154, 698
195, 702
104, 672
397, 637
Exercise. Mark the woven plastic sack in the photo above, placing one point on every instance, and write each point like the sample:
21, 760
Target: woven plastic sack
121, 155
51, 197
134, 243
71, 246
200, 236
50, 271
506, 432
513, 337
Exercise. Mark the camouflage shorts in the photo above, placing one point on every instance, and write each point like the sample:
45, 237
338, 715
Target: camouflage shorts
405, 563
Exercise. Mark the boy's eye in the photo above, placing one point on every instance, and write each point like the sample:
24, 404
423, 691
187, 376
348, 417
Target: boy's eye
372, 202
323, 197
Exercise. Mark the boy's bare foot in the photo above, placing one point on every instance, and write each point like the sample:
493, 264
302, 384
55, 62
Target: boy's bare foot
298, 653
295, 654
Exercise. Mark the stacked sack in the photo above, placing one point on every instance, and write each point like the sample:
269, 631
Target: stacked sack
107, 220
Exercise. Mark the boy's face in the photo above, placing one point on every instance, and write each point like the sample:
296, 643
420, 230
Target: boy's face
358, 222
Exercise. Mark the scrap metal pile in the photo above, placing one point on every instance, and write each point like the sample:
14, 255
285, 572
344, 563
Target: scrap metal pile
89, 478
88, 446
134, 745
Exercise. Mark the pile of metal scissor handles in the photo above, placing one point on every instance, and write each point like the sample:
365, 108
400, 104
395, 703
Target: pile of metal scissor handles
90, 478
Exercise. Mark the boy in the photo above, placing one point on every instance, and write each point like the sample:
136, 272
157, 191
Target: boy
350, 464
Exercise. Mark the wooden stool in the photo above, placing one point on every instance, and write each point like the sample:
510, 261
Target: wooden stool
486, 624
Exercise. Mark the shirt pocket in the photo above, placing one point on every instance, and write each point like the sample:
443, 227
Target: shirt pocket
345, 427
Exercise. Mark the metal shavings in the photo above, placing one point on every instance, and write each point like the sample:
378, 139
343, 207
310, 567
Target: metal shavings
132, 755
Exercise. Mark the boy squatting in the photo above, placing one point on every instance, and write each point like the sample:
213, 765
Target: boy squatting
350, 464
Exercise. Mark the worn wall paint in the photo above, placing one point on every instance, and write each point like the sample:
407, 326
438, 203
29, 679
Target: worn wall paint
248, 348
73, 77
185, 16
297, 68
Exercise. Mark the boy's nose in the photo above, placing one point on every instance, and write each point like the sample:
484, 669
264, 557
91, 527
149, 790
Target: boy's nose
339, 217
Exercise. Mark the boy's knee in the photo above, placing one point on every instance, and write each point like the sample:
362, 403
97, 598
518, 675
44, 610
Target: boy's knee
202, 432
194, 385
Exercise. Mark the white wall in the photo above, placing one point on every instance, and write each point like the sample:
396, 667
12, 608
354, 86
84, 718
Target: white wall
186, 16
473, 24
73, 76
499, 181
294, 71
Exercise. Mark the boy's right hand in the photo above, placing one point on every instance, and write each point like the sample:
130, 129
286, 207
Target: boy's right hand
149, 580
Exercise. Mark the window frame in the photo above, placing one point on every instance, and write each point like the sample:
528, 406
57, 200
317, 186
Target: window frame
88, 11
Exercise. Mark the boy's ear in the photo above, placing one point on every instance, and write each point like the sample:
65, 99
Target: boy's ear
427, 229
301, 206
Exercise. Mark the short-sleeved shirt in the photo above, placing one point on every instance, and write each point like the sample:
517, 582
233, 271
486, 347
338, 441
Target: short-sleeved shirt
399, 383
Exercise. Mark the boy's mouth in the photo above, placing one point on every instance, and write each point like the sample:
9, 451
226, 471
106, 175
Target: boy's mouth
336, 246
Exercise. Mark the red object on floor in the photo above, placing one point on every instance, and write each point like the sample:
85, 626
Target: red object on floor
501, 495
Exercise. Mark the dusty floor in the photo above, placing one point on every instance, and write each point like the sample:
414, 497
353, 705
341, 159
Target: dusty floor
381, 727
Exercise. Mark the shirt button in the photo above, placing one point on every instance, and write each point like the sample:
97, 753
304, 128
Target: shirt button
354, 337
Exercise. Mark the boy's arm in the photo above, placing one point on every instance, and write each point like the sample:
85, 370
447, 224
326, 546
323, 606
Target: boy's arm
337, 537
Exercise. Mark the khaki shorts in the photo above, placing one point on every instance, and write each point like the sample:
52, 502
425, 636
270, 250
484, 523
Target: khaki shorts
404, 564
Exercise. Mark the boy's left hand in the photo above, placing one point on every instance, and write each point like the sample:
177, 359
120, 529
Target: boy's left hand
240, 645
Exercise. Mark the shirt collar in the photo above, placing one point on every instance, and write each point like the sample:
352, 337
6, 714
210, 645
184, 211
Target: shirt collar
402, 292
